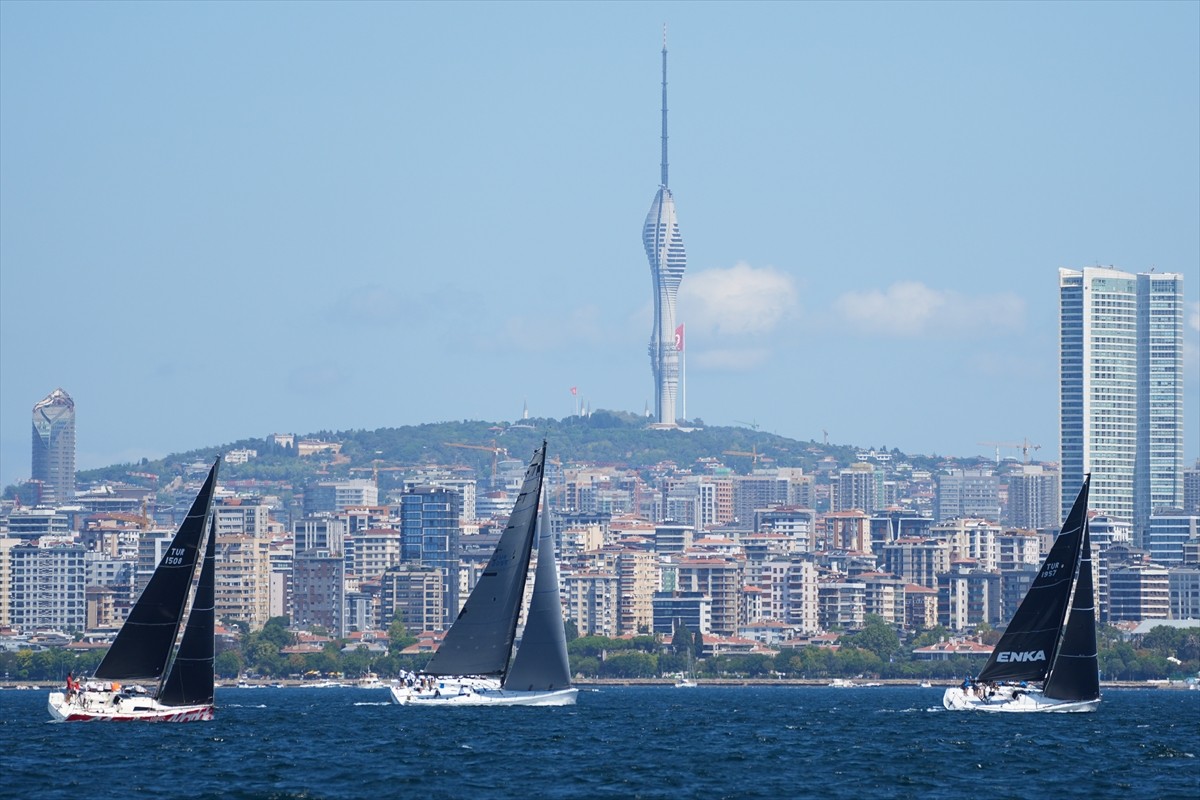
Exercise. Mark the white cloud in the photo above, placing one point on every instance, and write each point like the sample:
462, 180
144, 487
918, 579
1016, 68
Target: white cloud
741, 300
1194, 316
910, 308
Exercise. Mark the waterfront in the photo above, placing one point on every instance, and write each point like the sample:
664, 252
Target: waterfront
645, 742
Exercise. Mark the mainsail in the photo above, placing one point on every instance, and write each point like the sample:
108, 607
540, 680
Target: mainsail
542, 663
1029, 645
480, 641
143, 646
190, 680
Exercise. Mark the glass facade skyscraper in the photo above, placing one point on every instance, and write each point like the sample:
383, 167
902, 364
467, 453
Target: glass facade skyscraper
664, 249
54, 447
1121, 390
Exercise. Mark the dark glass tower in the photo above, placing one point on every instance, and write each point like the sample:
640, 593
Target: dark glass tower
664, 249
54, 447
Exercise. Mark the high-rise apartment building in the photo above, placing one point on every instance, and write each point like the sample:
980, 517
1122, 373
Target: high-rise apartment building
1121, 390
1034, 499
430, 535
54, 447
47, 590
664, 249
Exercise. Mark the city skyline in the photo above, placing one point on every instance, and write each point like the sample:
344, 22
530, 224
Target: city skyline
238, 218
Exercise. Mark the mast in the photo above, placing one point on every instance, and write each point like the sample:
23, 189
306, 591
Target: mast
664, 107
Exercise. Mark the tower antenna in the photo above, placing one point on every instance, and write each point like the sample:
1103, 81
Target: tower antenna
664, 107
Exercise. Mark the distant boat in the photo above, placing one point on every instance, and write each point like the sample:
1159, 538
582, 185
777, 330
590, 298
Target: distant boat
145, 648
471, 667
1046, 660
370, 681
842, 683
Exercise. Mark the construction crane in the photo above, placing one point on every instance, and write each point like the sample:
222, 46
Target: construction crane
375, 469
494, 450
752, 454
1024, 446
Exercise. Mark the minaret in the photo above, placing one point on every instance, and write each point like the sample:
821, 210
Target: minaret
664, 249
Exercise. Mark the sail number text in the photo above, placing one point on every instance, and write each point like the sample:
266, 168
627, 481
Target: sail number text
1051, 569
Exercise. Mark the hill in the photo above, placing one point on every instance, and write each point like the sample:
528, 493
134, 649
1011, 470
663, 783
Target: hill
604, 438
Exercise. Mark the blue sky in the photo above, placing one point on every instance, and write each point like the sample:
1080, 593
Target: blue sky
223, 220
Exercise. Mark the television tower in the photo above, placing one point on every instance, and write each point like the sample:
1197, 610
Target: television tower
664, 249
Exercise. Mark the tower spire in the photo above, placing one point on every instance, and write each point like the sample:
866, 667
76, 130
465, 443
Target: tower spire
664, 107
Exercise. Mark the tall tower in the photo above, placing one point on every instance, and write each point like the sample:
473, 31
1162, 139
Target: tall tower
54, 447
1121, 390
664, 249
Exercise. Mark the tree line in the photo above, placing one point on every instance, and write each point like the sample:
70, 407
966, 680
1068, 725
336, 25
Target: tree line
875, 651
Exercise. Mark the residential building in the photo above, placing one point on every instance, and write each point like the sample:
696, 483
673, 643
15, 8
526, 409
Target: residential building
1184, 587
917, 561
48, 588
967, 493
1121, 391
693, 609
637, 581
414, 595
1034, 498
430, 535
1168, 531
1137, 592
719, 577
319, 591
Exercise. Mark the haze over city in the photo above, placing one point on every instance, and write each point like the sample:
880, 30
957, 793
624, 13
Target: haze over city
218, 221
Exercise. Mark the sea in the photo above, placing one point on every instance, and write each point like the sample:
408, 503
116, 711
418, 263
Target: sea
617, 742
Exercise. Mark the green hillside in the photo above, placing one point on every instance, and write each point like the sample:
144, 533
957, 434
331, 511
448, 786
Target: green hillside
604, 438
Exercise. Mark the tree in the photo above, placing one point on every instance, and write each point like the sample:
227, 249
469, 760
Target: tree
398, 636
228, 664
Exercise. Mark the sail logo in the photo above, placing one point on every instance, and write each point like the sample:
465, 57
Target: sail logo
1010, 656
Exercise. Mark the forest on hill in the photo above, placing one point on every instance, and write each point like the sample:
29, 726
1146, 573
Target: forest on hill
604, 438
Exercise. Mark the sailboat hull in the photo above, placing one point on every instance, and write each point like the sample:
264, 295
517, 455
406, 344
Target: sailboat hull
107, 707
1014, 700
487, 697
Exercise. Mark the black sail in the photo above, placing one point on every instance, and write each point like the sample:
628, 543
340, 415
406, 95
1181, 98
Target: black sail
143, 645
480, 641
1027, 648
190, 681
1075, 673
542, 663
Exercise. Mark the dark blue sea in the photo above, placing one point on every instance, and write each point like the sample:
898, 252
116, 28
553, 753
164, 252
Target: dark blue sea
627, 742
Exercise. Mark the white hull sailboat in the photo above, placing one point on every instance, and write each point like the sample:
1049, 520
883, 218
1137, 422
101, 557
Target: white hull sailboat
145, 652
471, 667
1046, 660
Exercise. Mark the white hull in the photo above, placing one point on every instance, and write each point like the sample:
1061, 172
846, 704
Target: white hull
487, 696
1009, 699
109, 707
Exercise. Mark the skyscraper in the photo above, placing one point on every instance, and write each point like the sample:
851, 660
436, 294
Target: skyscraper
54, 447
1121, 390
664, 249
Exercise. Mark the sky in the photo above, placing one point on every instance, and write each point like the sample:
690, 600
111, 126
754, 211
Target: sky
224, 220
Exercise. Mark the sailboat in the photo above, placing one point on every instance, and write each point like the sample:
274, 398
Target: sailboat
1046, 659
145, 651
687, 680
471, 667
